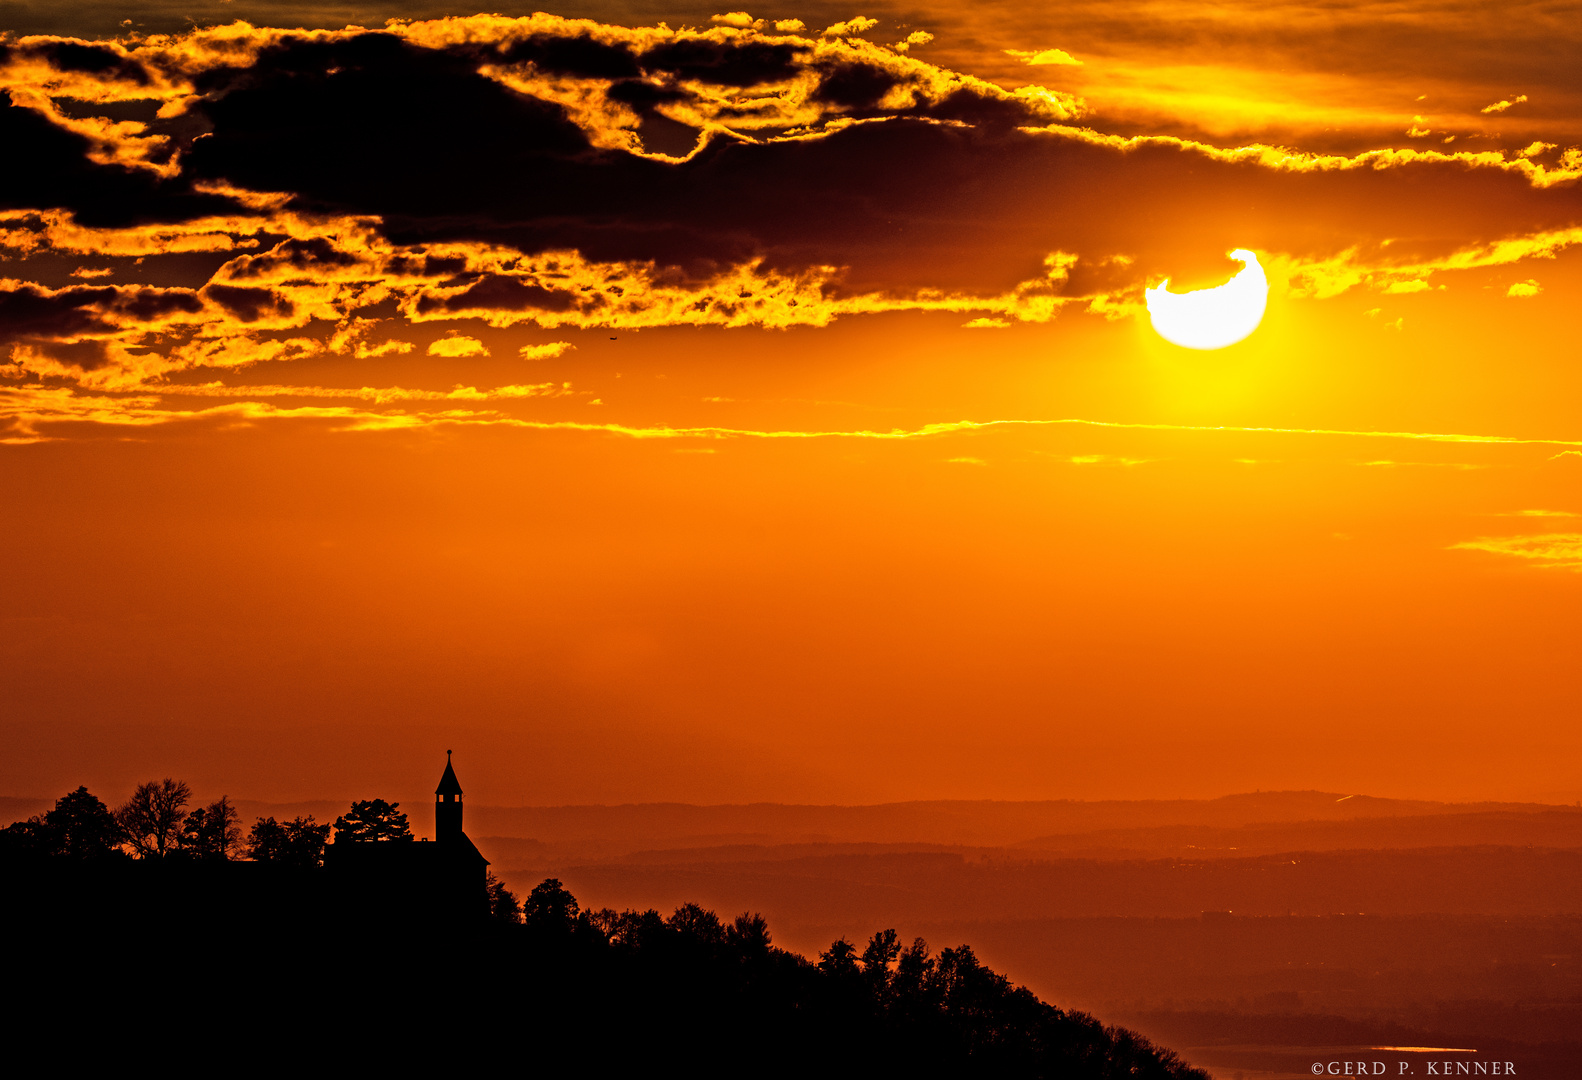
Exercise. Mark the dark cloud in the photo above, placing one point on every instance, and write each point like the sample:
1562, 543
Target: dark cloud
645, 95
496, 293
439, 152
377, 124
977, 110
305, 256
59, 174
30, 312
138, 110
248, 304
416, 136
855, 86
91, 354
725, 63
149, 304
428, 265
1520, 44
89, 59
580, 56
948, 191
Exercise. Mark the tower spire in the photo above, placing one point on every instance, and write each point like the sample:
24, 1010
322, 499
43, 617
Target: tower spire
447, 805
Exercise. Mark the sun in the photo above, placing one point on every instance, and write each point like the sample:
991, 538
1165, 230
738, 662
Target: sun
1212, 318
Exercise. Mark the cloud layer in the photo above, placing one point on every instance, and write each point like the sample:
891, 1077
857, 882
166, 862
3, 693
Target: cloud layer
209, 200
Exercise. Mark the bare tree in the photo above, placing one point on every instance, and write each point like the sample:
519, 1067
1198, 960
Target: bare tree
152, 817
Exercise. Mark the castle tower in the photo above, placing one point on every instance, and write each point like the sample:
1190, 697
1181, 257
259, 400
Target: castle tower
447, 806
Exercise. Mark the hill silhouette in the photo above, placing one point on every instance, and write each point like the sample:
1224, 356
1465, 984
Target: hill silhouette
185, 960
204, 951
1242, 931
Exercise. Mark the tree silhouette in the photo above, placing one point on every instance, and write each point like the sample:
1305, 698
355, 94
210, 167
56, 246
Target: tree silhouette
698, 923
883, 1009
372, 821
749, 934
211, 832
298, 842
960, 975
550, 907
24, 838
503, 904
152, 818
882, 951
839, 960
630, 928
78, 827
913, 971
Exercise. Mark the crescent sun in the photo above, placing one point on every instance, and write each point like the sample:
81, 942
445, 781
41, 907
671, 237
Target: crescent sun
1212, 318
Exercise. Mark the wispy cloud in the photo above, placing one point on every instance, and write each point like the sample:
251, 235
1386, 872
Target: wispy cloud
1045, 57
1106, 459
457, 345
1558, 551
377, 395
27, 409
1501, 106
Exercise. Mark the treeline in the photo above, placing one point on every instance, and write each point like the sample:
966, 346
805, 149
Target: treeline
156, 824
152, 893
884, 1008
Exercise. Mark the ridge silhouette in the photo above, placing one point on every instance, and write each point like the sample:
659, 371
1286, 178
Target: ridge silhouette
377, 952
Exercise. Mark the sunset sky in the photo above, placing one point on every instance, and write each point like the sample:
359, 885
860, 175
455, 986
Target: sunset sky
663, 403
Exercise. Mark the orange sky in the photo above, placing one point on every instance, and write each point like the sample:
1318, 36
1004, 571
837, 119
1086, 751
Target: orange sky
745, 412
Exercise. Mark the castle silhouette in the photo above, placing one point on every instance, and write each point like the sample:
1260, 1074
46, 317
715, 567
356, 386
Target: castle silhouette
444, 878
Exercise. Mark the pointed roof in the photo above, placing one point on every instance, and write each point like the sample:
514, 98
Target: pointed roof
448, 784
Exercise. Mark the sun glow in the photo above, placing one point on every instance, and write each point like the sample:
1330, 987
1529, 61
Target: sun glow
1212, 318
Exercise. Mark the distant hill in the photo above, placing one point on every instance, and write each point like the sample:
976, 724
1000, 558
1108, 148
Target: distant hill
970, 823
1551, 827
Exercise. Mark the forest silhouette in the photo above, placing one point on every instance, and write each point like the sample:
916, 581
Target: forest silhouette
165, 929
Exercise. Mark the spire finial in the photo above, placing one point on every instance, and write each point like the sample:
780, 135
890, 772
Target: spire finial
449, 787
